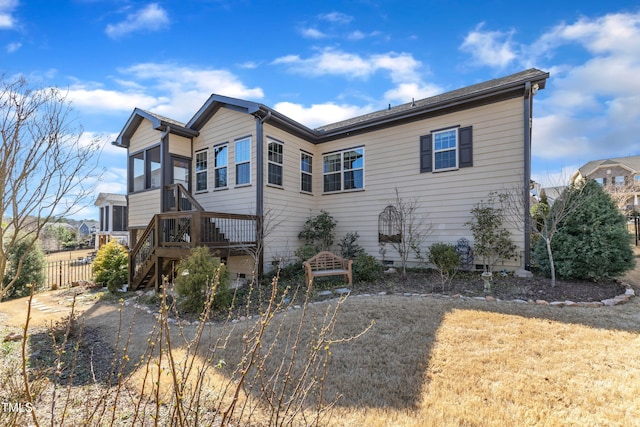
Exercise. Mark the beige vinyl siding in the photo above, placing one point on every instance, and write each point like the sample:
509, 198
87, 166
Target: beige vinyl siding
240, 264
392, 160
144, 137
286, 207
180, 145
226, 126
142, 207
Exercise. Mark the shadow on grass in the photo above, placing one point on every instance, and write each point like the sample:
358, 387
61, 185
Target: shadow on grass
385, 368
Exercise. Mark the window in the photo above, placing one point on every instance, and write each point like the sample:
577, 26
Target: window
306, 164
201, 170
153, 160
600, 181
446, 149
220, 165
181, 171
274, 163
243, 161
343, 170
144, 169
619, 181
137, 168
119, 218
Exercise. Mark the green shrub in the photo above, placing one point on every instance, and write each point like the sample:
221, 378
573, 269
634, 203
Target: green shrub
318, 231
32, 271
592, 242
491, 241
445, 259
305, 252
110, 268
349, 248
197, 275
366, 268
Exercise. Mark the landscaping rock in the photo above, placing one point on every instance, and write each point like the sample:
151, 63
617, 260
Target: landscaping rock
525, 274
12, 336
324, 293
342, 291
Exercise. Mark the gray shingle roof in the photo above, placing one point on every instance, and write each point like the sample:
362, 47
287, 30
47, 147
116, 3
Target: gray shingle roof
630, 162
531, 74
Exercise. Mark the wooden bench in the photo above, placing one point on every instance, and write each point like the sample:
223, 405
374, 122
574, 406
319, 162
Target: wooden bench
327, 264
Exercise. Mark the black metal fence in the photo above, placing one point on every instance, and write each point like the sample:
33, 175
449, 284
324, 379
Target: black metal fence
64, 273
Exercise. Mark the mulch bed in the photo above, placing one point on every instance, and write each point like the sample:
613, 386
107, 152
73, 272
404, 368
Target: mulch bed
506, 287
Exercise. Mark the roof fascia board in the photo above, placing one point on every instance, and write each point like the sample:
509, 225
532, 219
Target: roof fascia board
124, 138
514, 89
212, 105
420, 113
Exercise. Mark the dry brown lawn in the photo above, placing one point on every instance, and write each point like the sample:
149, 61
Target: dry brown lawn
430, 361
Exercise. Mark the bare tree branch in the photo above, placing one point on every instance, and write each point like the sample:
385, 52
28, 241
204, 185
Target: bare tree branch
43, 164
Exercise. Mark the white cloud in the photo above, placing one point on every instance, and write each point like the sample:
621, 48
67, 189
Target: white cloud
12, 47
185, 89
151, 18
312, 33
336, 17
405, 92
402, 68
7, 20
492, 48
173, 91
100, 100
320, 114
592, 108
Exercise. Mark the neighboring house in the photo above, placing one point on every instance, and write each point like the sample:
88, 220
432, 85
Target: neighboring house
620, 177
86, 228
113, 219
239, 169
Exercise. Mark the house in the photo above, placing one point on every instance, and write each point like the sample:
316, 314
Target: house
242, 178
620, 177
113, 219
87, 228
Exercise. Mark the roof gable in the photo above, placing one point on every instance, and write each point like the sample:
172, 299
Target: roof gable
158, 122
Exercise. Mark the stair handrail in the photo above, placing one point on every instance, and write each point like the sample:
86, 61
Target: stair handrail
140, 242
178, 190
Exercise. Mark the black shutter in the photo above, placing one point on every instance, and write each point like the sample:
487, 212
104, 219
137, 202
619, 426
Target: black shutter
425, 153
465, 153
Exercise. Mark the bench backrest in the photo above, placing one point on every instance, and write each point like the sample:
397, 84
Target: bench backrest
326, 261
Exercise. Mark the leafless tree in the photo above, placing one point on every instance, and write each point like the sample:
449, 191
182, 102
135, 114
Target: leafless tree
44, 165
622, 194
546, 220
411, 227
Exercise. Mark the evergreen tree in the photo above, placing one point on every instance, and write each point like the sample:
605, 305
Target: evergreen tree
32, 271
592, 242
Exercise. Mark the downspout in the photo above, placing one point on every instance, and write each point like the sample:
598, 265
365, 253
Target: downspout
164, 155
528, 104
260, 163
260, 188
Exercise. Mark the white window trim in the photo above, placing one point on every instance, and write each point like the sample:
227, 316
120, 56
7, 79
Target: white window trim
304, 173
216, 167
205, 171
457, 147
281, 164
235, 146
343, 170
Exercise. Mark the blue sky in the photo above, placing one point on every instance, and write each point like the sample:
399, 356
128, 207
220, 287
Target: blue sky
323, 61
